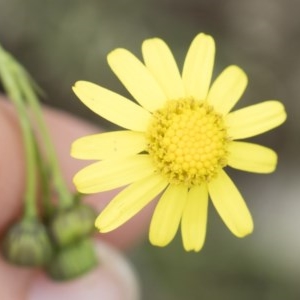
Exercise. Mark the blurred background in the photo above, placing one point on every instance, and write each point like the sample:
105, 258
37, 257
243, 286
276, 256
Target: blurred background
60, 42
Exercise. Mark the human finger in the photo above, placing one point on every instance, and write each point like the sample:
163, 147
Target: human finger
64, 129
111, 277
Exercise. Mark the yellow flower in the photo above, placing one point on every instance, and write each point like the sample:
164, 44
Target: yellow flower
176, 142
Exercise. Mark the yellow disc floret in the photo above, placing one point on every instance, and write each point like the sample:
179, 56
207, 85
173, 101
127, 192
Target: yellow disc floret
187, 141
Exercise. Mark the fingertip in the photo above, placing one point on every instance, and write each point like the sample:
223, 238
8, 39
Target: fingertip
114, 279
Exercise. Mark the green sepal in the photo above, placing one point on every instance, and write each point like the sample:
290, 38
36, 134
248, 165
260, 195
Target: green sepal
73, 261
70, 225
27, 243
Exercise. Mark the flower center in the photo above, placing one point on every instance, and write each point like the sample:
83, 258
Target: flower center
187, 141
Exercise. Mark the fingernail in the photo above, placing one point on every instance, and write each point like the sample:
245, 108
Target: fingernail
114, 279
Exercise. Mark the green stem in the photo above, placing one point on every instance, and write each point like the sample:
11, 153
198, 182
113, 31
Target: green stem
64, 196
43, 173
14, 94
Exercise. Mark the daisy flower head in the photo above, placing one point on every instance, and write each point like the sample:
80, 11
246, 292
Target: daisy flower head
176, 142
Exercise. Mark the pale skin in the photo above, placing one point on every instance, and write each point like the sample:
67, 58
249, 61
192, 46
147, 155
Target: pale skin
16, 283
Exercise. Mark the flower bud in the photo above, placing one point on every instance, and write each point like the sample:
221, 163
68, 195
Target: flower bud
27, 244
72, 261
71, 225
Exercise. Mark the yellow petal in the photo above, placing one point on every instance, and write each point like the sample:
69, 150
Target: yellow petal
110, 144
112, 173
251, 157
111, 106
255, 119
194, 218
167, 215
227, 89
198, 66
160, 61
230, 205
129, 202
137, 79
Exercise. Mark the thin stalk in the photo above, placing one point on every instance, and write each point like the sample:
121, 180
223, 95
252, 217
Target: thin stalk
13, 91
43, 173
65, 198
